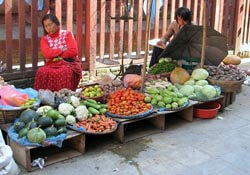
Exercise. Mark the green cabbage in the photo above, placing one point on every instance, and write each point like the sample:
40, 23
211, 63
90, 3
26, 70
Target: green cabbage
199, 74
209, 91
187, 90
202, 82
197, 88
190, 82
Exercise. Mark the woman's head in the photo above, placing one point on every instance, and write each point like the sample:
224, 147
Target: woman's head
50, 24
183, 16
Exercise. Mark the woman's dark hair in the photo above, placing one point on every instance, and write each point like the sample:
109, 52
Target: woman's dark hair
53, 18
184, 13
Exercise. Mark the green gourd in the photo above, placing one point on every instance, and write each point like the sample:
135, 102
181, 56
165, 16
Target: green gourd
32, 124
60, 122
62, 130
27, 115
18, 126
45, 121
36, 135
50, 131
23, 132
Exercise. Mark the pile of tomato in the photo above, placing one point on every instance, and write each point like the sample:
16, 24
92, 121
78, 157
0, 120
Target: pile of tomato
127, 102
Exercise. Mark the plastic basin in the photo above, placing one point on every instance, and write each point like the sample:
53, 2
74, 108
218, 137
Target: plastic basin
207, 110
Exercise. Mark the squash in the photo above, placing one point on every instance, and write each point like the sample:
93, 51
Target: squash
32, 124
232, 59
179, 75
60, 122
50, 131
36, 135
62, 130
18, 126
27, 115
45, 121
54, 114
23, 132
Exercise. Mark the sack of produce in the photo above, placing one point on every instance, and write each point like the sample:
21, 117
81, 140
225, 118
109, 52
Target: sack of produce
132, 80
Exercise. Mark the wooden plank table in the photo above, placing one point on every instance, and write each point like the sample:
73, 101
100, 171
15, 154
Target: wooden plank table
73, 145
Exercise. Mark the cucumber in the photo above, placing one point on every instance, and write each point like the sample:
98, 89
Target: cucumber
91, 101
93, 111
93, 105
103, 110
103, 105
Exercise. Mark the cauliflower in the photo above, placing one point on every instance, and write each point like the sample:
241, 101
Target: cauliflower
70, 119
65, 108
43, 110
75, 101
81, 112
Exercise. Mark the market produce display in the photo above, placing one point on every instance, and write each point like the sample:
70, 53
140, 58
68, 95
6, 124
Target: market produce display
97, 124
225, 72
92, 91
168, 98
164, 65
111, 87
37, 128
198, 88
127, 102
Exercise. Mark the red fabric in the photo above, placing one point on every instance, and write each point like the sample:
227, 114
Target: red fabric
59, 74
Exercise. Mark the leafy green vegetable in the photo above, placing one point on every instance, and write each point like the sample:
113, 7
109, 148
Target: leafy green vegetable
162, 67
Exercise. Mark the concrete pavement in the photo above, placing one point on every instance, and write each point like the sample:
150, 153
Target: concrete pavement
220, 146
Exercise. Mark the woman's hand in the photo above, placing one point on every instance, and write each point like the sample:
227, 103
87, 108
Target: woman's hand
161, 44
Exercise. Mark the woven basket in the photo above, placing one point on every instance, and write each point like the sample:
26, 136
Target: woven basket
227, 86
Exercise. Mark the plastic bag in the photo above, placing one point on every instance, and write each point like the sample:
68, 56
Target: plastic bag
7, 163
47, 97
132, 80
10, 96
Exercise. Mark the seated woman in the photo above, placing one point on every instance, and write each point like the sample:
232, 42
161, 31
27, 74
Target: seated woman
183, 16
62, 68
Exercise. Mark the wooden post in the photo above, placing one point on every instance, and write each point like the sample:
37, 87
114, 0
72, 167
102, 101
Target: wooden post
21, 27
8, 33
69, 17
90, 33
58, 10
204, 33
112, 30
149, 7
79, 19
165, 17
102, 28
239, 24
34, 38
139, 28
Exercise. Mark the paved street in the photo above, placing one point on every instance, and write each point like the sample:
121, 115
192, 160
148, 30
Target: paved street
220, 146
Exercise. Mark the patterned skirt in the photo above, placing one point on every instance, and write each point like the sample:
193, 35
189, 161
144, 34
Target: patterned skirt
56, 76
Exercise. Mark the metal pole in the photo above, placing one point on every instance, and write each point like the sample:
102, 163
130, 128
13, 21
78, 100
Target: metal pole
149, 6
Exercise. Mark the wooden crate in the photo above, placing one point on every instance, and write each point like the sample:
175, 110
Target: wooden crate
73, 145
158, 120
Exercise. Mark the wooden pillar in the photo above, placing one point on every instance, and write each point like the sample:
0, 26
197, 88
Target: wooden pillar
58, 10
21, 28
239, 24
90, 33
69, 16
8, 33
34, 38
